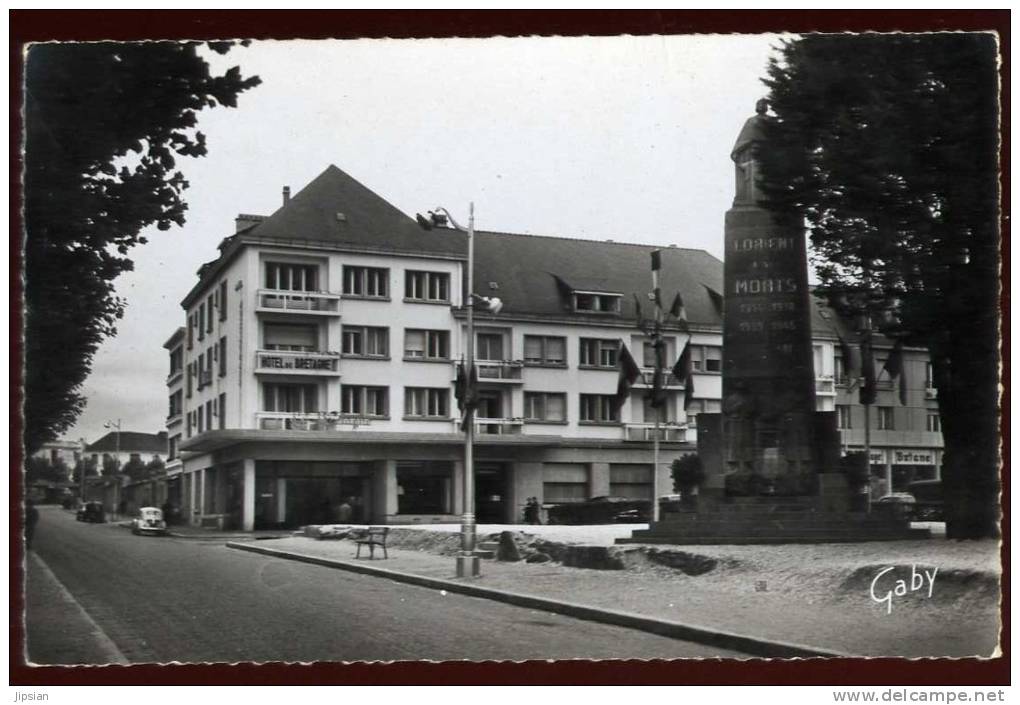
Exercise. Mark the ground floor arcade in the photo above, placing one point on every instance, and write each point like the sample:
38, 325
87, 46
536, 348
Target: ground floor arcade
272, 484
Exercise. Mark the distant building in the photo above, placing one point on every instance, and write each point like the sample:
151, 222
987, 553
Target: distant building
126, 445
55, 452
319, 358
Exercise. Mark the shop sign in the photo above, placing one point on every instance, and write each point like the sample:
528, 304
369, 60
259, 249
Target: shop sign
296, 363
913, 457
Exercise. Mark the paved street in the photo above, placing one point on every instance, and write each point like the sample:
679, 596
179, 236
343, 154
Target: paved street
168, 599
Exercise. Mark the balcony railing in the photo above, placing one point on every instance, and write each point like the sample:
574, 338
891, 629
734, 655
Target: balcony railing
314, 302
647, 379
825, 384
499, 370
174, 417
496, 427
174, 377
309, 421
646, 432
204, 378
290, 362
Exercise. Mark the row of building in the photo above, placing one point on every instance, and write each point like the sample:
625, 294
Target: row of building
317, 363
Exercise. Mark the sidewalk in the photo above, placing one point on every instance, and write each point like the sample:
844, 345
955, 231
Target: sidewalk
815, 595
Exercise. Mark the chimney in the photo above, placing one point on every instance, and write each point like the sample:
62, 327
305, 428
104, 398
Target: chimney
243, 221
286, 195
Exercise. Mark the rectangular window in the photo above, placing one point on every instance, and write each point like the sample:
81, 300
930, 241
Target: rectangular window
545, 406
426, 344
929, 376
290, 398
713, 358
885, 418
489, 346
545, 350
201, 418
843, 416
564, 482
598, 353
427, 286
223, 300
364, 401
201, 321
839, 370
295, 337
366, 341
599, 408
222, 355
282, 276
423, 402
370, 282
208, 415
425, 487
632, 481
191, 378
933, 424
173, 444
209, 318
668, 411
597, 303
191, 331
221, 411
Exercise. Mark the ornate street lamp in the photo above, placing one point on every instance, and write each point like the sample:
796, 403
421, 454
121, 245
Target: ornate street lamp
467, 561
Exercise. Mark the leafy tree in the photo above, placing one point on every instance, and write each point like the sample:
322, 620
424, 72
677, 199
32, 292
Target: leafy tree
155, 467
111, 465
90, 469
134, 468
42, 469
103, 124
687, 472
887, 146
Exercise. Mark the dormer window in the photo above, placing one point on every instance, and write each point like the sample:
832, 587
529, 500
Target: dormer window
597, 302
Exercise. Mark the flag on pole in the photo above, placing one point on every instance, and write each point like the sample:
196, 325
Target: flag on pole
688, 390
868, 389
565, 290
641, 322
682, 367
629, 373
851, 363
894, 368
676, 309
656, 260
465, 389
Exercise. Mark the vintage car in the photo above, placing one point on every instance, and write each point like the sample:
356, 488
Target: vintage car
149, 521
601, 510
91, 512
929, 500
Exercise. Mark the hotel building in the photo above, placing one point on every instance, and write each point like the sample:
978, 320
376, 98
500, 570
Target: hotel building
318, 360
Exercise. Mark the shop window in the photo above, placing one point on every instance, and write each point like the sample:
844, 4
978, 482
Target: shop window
424, 488
630, 481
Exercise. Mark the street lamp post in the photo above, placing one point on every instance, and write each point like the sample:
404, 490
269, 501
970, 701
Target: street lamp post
467, 560
116, 459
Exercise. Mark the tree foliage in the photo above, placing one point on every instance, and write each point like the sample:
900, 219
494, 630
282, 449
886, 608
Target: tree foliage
104, 125
887, 145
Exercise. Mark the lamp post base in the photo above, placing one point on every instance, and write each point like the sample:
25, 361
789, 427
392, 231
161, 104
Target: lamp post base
468, 566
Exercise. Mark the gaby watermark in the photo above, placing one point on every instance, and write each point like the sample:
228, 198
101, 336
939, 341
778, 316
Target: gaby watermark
899, 588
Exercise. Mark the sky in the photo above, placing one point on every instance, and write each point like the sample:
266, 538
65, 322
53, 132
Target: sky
622, 138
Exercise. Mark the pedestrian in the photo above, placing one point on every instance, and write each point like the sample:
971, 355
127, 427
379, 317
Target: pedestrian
122, 509
168, 510
531, 511
345, 511
31, 519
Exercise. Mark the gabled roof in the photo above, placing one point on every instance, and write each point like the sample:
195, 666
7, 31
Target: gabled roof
525, 269
334, 207
130, 442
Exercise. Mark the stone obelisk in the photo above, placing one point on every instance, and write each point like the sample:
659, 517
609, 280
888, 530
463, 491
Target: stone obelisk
768, 404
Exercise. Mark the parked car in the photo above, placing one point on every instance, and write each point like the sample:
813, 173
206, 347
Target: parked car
601, 510
929, 505
91, 512
149, 521
901, 503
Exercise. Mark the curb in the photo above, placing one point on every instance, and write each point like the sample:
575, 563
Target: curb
753, 646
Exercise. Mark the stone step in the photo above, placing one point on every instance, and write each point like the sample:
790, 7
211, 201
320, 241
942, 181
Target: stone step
789, 530
837, 520
488, 545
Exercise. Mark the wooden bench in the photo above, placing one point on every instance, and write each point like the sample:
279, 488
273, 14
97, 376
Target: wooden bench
372, 537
